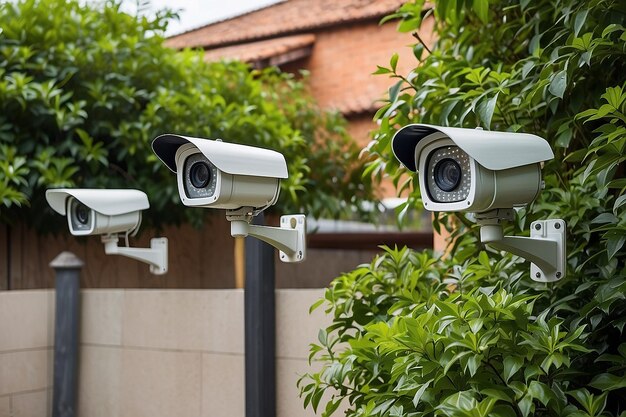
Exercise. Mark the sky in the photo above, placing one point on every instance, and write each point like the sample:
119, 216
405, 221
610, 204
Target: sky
195, 13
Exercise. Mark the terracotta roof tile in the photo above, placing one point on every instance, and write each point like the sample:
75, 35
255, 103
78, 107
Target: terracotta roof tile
261, 50
355, 105
288, 17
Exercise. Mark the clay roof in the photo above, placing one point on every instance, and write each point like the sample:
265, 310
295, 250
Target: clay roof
355, 105
287, 17
271, 49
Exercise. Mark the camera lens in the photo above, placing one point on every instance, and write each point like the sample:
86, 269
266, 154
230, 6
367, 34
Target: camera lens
82, 213
447, 174
200, 174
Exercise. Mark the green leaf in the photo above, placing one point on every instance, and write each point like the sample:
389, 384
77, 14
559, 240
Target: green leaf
382, 70
540, 391
393, 63
604, 218
331, 407
316, 305
418, 51
533, 46
394, 90
525, 405
512, 364
418, 394
619, 202
483, 259
614, 244
410, 25
481, 8
322, 336
613, 27
486, 108
579, 21
558, 84
608, 382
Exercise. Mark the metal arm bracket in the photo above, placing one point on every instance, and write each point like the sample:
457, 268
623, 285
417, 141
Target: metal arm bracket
289, 238
545, 248
156, 255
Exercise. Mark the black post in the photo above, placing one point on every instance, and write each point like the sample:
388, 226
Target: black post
260, 330
67, 267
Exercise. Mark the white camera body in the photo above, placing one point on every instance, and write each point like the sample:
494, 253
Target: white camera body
99, 211
243, 180
472, 169
92, 211
487, 173
216, 174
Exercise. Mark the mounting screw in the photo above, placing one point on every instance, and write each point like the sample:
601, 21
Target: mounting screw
558, 275
538, 226
538, 275
557, 225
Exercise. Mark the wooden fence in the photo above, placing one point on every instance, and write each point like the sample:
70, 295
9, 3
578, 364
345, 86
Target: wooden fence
198, 258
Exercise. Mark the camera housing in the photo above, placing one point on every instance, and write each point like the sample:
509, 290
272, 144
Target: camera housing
472, 169
243, 180
98, 211
487, 173
216, 174
91, 211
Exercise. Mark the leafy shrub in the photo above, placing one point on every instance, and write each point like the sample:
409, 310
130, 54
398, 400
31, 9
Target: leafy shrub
84, 90
468, 333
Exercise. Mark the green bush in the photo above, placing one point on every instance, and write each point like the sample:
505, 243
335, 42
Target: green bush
469, 333
84, 90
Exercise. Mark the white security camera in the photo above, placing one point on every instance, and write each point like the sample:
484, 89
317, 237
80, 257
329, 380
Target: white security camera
98, 212
216, 174
107, 213
487, 173
244, 180
472, 169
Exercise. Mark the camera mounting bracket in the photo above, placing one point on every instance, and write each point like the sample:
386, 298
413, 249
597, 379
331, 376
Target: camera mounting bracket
545, 248
289, 238
156, 255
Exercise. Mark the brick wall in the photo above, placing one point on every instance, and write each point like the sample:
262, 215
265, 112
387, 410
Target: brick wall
345, 57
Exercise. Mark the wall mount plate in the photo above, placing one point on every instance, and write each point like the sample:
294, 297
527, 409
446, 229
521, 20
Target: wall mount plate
295, 222
159, 245
555, 230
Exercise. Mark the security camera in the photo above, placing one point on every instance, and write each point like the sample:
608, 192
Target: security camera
98, 212
216, 174
243, 180
472, 169
487, 173
107, 213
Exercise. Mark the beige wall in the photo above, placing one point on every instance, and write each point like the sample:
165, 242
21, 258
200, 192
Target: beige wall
26, 339
151, 352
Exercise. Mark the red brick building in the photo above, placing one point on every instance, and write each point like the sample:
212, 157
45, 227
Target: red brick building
340, 42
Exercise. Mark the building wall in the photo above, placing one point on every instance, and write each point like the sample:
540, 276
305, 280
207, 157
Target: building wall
151, 352
344, 58
341, 66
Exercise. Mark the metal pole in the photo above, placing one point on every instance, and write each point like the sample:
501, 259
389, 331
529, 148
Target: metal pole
260, 330
67, 268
